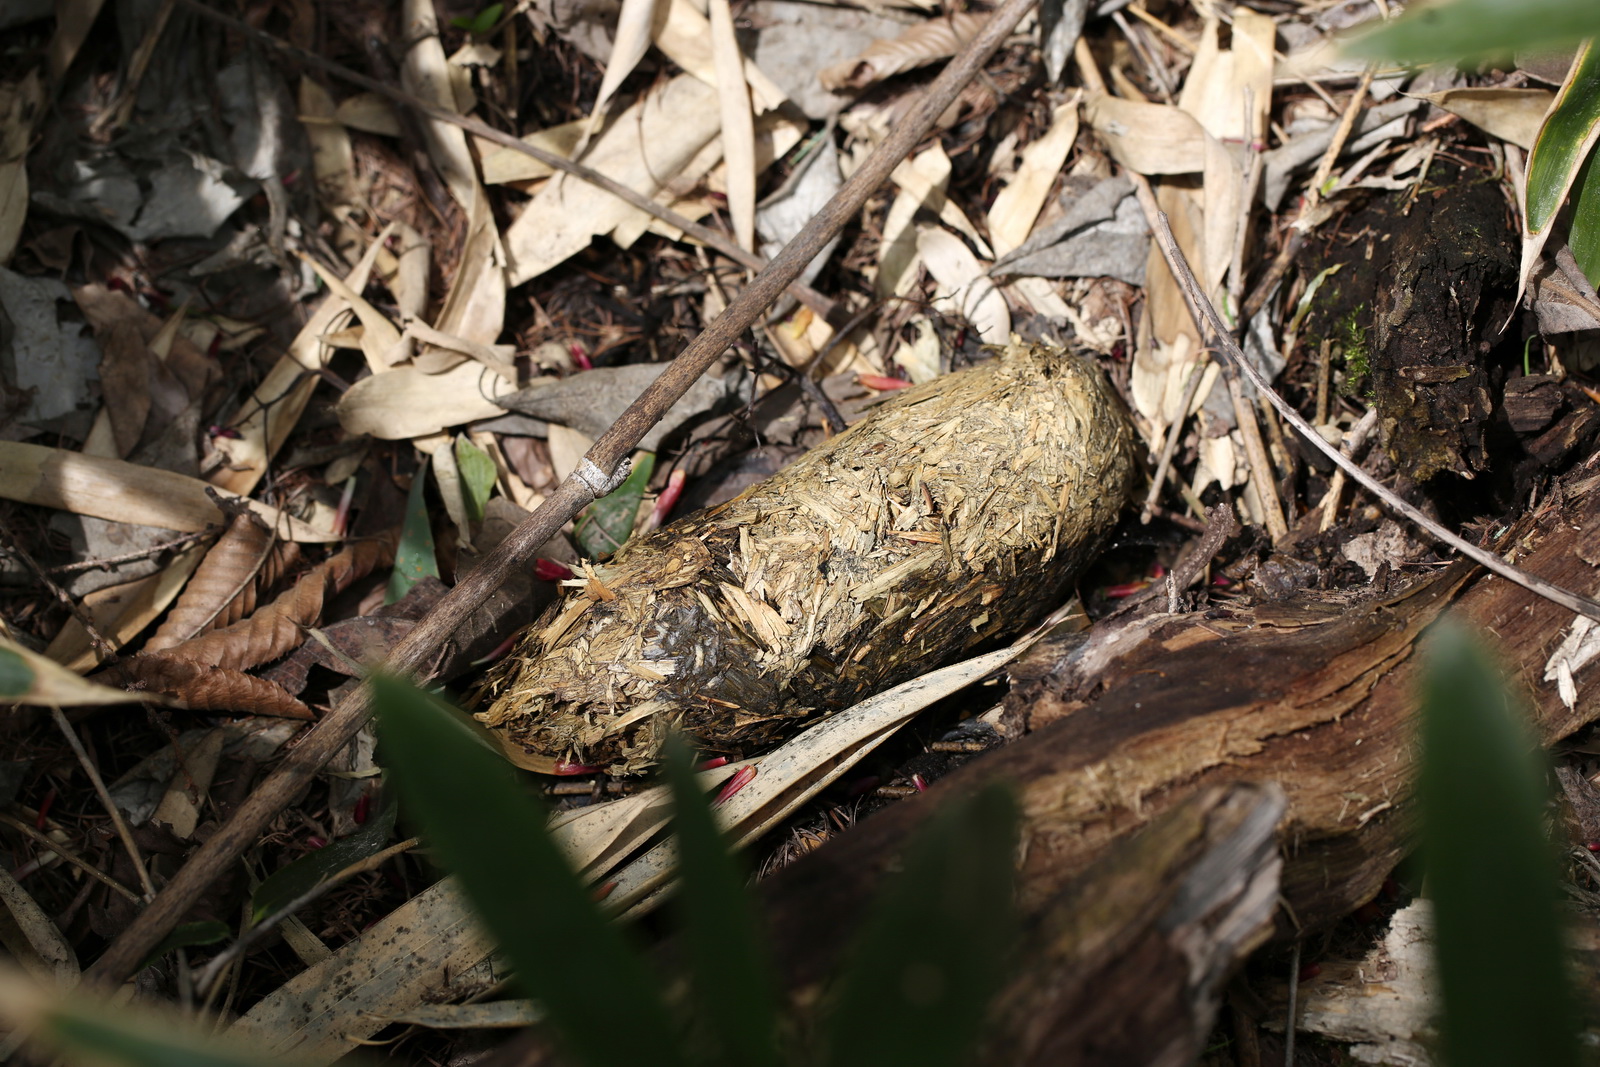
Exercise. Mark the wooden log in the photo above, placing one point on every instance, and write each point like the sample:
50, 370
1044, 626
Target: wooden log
1317, 697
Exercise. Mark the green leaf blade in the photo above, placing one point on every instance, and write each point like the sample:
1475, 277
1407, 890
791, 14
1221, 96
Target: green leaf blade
478, 472
920, 980
1491, 871
414, 557
296, 879
732, 977
1564, 142
1478, 29
607, 523
486, 829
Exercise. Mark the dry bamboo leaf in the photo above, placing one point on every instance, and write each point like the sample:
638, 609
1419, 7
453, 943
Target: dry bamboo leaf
501, 164
205, 687
964, 289
332, 157
125, 378
475, 307
497, 358
405, 271
224, 587
74, 18
936, 39
806, 765
408, 957
740, 624
20, 104
738, 124
685, 38
645, 148
1147, 138
370, 113
264, 421
922, 181
1513, 115
121, 612
1016, 207
41, 949
179, 807
629, 44
276, 629
125, 492
380, 338
30, 678
425, 72
406, 403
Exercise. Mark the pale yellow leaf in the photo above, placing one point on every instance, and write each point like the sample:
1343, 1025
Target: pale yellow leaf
332, 157
426, 73
1147, 138
369, 113
20, 105
964, 289
631, 41
502, 164
684, 37
738, 128
1513, 115
124, 492
405, 402
121, 612
1016, 207
379, 336
936, 39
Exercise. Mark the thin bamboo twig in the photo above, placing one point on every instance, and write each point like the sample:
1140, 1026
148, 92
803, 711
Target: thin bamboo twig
1200, 306
43, 840
106, 802
1347, 122
478, 128
426, 640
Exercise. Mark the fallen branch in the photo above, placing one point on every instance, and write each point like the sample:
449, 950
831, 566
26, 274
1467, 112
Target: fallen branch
431, 634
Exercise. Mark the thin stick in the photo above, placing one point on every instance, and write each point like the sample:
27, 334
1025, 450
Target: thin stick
1197, 373
1538, 586
1262, 475
430, 635
1347, 122
102, 647
1353, 443
70, 856
478, 128
106, 801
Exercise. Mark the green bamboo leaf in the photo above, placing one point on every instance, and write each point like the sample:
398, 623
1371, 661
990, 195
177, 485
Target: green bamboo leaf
930, 959
1564, 141
606, 524
304, 874
1585, 236
185, 935
732, 977
414, 557
478, 473
1478, 29
485, 828
1491, 870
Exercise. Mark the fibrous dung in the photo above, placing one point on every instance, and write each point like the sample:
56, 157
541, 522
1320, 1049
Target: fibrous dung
957, 512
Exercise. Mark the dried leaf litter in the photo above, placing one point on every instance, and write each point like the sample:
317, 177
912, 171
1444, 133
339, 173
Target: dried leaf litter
955, 513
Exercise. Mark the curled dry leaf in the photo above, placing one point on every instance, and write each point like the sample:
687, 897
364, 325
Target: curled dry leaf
207, 687
935, 39
276, 629
245, 559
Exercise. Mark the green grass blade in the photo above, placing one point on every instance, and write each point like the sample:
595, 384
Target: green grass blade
608, 522
920, 980
1564, 141
414, 557
484, 827
735, 991
298, 878
1478, 29
1585, 236
1490, 869
185, 935
477, 469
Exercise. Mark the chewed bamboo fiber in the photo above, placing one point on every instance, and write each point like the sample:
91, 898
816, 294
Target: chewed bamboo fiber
957, 512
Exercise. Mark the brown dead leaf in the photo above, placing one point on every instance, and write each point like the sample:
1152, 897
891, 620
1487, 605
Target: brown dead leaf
933, 40
20, 105
105, 309
125, 380
276, 629
206, 687
224, 587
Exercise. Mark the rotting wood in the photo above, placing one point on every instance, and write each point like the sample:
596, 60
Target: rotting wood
952, 515
435, 631
1317, 697
1126, 962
